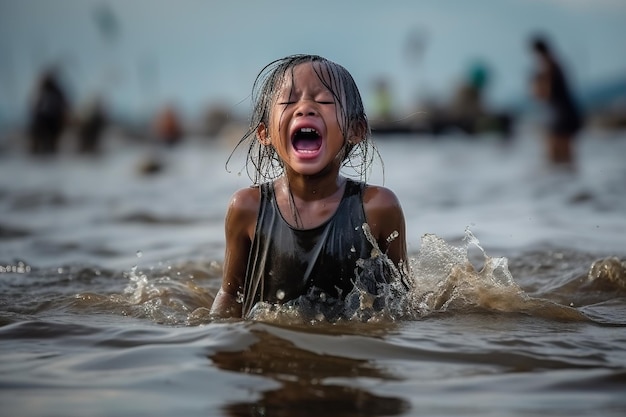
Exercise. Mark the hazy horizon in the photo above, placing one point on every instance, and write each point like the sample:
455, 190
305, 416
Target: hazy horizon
191, 53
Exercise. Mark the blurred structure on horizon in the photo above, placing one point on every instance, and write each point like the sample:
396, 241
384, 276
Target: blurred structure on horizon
605, 105
466, 111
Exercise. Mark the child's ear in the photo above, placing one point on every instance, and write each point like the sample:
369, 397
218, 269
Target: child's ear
358, 131
263, 135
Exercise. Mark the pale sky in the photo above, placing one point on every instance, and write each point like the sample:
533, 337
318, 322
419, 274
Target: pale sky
193, 52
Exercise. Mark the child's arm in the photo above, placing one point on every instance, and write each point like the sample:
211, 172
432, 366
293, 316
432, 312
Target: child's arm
239, 230
385, 217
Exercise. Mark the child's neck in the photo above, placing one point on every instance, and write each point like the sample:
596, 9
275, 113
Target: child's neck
307, 202
312, 188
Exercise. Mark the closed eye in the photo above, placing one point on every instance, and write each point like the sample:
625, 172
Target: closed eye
286, 103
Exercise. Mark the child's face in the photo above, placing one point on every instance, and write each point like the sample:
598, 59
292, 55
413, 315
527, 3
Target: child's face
304, 127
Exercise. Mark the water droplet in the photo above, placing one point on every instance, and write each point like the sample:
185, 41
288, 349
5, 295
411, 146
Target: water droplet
393, 236
280, 294
22, 268
139, 254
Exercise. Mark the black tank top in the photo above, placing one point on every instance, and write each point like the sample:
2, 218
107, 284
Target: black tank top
286, 263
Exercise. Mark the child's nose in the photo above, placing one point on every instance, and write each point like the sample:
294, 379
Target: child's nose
306, 108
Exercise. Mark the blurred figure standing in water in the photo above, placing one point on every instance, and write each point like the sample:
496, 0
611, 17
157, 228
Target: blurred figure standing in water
91, 127
383, 100
48, 114
168, 126
550, 86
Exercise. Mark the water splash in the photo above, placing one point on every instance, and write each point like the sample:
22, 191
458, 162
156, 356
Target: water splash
445, 280
172, 295
440, 278
609, 271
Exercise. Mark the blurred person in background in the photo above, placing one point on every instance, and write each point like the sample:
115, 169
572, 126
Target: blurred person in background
48, 114
383, 100
168, 127
91, 127
550, 86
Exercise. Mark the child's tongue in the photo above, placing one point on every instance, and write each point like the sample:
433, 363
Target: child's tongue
307, 144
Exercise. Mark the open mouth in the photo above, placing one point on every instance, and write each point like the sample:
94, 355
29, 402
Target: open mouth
306, 140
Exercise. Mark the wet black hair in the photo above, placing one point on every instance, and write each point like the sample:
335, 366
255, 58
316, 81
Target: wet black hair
262, 161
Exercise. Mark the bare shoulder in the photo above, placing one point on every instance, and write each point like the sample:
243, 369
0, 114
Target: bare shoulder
243, 209
383, 210
245, 197
379, 197
244, 200
386, 220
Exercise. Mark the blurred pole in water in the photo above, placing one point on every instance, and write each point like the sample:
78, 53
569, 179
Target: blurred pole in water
96, 112
148, 69
107, 22
415, 48
8, 93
